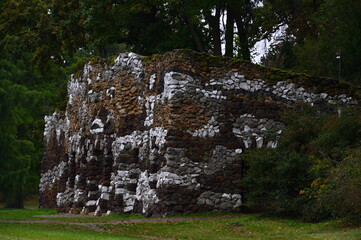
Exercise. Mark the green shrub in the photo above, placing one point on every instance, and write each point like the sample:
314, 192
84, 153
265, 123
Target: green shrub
316, 171
338, 194
344, 195
303, 125
336, 135
274, 179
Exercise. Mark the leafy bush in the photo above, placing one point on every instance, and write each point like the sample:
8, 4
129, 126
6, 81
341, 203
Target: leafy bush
302, 127
338, 194
316, 171
337, 134
275, 178
345, 194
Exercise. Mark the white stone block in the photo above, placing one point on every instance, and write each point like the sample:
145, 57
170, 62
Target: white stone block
238, 150
105, 196
226, 196
91, 203
259, 142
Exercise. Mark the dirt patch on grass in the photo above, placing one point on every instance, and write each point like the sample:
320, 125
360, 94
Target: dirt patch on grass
63, 216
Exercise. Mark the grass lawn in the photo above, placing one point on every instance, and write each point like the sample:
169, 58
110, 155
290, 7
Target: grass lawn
15, 231
249, 226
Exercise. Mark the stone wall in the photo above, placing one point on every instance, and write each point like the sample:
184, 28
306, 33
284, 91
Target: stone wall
165, 134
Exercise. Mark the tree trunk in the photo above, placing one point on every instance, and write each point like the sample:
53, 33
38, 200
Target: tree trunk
243, 36
197, 39
213, 22
229, 32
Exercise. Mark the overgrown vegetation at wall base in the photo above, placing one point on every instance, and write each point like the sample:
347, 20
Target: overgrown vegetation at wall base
316, 171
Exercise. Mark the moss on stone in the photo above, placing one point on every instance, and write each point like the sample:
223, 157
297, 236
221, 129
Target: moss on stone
235, 61
78, 69
151, 59
110, 60
276, 74
96, 60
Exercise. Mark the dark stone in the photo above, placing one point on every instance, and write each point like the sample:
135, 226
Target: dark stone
131, 187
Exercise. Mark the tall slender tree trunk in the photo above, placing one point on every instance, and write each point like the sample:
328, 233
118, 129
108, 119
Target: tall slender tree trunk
244, 51
197, 39
213, 22
217, 33
229, 32
242, 13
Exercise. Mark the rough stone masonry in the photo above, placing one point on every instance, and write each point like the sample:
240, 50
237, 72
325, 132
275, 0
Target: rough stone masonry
165, 134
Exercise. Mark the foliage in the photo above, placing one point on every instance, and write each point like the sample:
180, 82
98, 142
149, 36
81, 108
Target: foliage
26, 95
274, 179
24, 100
16, 154
339, 31
345, 187
315, 172
20, 132
316, 33
338, 193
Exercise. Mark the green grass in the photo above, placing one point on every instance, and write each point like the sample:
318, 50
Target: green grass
249, 226
24, 214
15, 231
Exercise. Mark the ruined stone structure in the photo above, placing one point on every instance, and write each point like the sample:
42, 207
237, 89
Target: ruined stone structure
165, 134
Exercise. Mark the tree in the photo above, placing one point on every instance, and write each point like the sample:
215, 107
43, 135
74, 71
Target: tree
21, 112
214, 26
338, 32
15, 153
26, 95
242, 13
317, 31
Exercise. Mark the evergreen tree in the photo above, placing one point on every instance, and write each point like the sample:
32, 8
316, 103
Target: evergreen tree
26, 95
